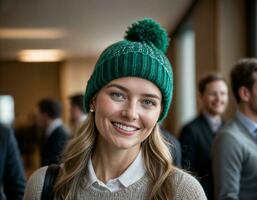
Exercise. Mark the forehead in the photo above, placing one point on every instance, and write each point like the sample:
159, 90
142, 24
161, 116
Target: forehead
135, 84
254, 75
254, 78
219, 84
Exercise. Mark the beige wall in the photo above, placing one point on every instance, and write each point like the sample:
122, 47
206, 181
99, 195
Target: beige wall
204, 21
28, 83
231, 40
220, 30
74, 76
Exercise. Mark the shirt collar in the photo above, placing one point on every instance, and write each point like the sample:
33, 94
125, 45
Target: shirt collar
134, 172
215, 123
53, 125
83, 118
249, 124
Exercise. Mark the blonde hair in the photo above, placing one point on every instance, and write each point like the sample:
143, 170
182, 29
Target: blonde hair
156, 156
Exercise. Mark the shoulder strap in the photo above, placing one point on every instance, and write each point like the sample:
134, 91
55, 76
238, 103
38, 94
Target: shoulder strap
51, 174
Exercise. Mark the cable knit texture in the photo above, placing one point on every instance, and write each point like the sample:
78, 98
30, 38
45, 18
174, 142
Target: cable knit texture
185, 187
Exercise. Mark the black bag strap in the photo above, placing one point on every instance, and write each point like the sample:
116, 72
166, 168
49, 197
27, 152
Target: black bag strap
51, 174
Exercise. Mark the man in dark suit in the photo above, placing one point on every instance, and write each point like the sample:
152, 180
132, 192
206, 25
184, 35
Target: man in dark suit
77, 113
197, 136
55, 135
12, 177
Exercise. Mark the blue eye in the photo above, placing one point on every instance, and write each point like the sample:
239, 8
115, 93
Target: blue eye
149, 103
117, 96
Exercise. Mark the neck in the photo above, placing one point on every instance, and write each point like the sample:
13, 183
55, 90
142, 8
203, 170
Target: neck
48, 122
243, 108
110, 164
213, 116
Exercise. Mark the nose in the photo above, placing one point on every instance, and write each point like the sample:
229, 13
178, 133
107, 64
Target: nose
130, 112
220, 97
217, 96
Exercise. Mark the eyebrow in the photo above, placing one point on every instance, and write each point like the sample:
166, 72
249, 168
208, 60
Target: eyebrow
126, 90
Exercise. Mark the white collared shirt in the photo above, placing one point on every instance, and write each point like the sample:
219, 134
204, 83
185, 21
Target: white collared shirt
214, 122
249, 124
134, 172
53, 125
83, 118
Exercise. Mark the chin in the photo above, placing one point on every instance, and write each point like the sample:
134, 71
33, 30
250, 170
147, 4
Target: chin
221, 111
124, 145
217, 112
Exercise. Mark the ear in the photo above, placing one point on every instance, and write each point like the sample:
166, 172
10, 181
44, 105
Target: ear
201, 96
93, 102
244, 94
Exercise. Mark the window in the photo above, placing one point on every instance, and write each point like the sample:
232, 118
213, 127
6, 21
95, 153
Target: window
6, 109
185, 81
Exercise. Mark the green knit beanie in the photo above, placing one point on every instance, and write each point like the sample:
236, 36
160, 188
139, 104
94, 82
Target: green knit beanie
141, 54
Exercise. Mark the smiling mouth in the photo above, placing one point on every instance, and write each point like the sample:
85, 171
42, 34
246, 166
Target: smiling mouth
124, 127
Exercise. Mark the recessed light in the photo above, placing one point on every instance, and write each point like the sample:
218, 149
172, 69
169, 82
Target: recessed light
41, 55
31, 33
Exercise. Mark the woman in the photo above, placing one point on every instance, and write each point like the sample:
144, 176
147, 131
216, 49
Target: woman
120, 153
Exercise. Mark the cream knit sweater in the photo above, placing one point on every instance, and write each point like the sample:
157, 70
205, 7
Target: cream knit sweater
185, 187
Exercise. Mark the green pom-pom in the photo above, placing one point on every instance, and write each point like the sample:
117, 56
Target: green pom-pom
148, 30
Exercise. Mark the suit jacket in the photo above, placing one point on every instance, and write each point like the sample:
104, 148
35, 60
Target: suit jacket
12, 177
196, 140
53, 146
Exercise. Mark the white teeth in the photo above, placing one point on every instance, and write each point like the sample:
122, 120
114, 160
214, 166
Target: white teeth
123, 127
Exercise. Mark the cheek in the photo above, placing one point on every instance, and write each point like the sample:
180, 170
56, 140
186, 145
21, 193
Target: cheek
150, 119
225, 100
105, 107
208, 100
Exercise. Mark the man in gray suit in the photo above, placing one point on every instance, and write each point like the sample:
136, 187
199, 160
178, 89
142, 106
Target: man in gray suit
235, 147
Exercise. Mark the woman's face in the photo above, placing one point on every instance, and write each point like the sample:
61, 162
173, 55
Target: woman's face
126, 111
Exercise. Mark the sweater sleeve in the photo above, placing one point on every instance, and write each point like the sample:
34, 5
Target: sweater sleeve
35, 184
187, 187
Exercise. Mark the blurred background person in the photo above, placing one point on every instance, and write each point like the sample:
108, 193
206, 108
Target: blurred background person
55, 134
235, 147
197, 136
77, 113
12, 176
28, 137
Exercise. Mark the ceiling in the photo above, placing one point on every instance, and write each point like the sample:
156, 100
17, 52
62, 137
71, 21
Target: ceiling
80, 28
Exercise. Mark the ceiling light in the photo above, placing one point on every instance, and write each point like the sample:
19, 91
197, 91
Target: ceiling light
41, 55
31, 33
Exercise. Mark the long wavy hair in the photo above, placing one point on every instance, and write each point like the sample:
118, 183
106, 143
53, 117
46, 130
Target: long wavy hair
157, 159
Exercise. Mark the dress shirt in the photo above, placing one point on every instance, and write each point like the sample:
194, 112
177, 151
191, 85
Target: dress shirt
53, 125
134, 172
249, 124
214, 122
